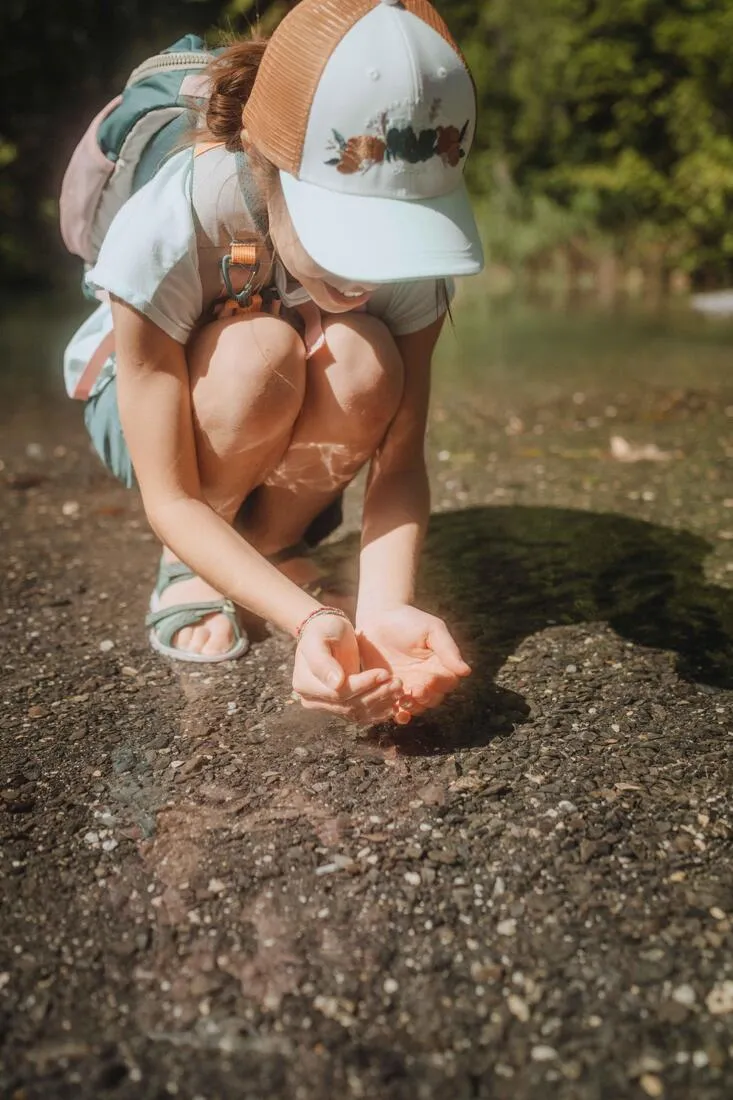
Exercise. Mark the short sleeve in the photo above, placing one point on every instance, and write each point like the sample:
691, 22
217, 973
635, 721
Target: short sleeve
409, 307
149, 255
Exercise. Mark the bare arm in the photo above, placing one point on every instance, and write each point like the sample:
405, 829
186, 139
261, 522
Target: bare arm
155, 410
397, 501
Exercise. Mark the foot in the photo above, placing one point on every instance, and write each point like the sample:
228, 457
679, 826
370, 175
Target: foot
213, 634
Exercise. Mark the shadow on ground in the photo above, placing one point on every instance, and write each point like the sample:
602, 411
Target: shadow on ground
499, 575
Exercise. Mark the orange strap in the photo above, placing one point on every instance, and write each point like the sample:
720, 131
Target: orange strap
91, 371
243, 254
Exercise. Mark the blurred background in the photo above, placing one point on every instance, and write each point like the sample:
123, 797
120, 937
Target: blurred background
604, 159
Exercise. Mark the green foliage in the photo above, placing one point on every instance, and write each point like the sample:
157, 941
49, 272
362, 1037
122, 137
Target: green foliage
626, 105
607, 120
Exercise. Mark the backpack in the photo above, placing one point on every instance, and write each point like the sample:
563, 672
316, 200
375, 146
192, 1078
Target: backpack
128, 140
121, 150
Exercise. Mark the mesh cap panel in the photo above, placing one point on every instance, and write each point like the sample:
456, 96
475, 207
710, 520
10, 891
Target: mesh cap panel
276, 114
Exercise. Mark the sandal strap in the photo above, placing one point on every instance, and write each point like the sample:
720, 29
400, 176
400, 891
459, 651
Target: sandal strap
297, 550
169, 620
170, 572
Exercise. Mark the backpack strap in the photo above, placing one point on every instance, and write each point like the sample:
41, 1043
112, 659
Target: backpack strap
250, 260
252, 198
257, 209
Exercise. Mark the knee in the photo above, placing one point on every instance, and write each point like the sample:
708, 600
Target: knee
248, 373
366, 373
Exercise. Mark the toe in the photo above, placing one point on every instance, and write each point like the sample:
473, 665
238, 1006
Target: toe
199, 638
221, 636
182, 638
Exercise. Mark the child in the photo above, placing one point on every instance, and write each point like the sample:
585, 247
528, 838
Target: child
348, 211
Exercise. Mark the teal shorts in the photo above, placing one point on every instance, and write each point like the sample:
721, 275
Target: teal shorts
102, 419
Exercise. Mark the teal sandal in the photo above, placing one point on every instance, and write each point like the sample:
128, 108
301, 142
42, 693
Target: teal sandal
165, 623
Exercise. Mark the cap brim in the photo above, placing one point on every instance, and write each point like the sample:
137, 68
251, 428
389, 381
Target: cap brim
385, 240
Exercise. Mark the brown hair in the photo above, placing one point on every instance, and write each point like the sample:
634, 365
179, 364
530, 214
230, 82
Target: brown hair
232, 75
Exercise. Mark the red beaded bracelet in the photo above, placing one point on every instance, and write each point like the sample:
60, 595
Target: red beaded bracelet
314, 615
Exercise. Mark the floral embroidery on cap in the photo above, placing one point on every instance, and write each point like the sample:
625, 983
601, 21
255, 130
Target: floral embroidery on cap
394, 142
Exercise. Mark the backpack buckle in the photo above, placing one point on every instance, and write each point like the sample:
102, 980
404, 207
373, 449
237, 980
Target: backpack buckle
240, 256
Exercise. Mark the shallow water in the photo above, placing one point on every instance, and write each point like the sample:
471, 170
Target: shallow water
518, 348
506, 350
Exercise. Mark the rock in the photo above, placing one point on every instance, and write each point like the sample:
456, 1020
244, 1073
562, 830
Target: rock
518, 1007
651, 1084
719, 1001
588, 848
543, 1053
447, 856
684, 995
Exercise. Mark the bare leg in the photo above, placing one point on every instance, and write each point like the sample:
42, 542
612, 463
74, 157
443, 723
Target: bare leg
247, 386
300, 433
353, 389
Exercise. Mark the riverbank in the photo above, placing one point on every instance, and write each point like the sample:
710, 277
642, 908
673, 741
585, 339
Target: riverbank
208, 893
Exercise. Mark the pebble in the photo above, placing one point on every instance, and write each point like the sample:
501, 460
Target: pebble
390, 986
70, 508
719, 1001
684, 995
543, 1054
106, 645
413, 878
109, 845
518, 1007
651, 1084
507, 927
216, 886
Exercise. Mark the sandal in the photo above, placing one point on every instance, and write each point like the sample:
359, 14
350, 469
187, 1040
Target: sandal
328, 582
166, 622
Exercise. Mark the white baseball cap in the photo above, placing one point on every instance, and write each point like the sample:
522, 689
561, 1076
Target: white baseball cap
369, 111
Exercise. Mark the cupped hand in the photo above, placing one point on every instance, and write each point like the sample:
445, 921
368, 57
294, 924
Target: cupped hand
417, 649
327, 674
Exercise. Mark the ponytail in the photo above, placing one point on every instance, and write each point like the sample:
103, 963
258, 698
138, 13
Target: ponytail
232, 76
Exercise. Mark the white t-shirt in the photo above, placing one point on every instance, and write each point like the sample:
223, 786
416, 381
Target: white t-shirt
163, 250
